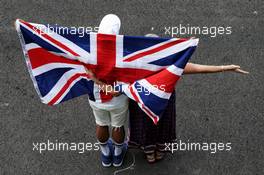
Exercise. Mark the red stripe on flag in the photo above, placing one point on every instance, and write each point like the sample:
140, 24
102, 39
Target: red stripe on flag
130, 75
39, 57
164, 80
106, 57
66, 86
126, 75
153, 117
133, 94
157, 49
49, 38
106, 60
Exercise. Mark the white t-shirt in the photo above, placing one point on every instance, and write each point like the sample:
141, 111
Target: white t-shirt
110, 24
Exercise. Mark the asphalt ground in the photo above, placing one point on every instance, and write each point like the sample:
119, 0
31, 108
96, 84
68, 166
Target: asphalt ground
212, 108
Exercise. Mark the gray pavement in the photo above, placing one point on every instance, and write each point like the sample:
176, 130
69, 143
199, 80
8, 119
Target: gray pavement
224, 107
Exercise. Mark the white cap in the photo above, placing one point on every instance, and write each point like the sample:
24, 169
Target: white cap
110, 24
151, 35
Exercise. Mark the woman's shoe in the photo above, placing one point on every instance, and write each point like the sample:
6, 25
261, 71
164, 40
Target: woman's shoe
150, 157
159, 155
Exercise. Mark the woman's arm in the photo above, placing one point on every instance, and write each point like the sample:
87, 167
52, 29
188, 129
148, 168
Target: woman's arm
192, 68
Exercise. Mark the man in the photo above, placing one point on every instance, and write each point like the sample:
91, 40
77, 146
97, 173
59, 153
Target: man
112, 113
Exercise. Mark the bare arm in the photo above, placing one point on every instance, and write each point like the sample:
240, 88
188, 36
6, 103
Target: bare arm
192, 68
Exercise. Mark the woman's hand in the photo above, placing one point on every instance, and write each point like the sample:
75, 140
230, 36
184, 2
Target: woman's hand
115, 93
90, 73
192, 68
234, 68
108, 89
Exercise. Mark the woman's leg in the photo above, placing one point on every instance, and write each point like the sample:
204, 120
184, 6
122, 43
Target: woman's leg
166, 128
142, 132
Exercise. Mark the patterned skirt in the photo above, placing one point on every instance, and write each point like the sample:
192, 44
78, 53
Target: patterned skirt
144, 134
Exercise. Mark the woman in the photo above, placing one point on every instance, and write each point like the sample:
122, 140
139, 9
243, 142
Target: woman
151, 138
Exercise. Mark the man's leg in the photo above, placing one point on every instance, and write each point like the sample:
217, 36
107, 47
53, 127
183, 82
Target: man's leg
102, 119
110, 24
102, 135
118, 119
118, 134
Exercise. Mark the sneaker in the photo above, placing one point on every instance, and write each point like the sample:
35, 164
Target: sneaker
107, 160
118, 160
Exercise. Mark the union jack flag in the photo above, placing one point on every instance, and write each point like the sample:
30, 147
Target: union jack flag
146, 69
